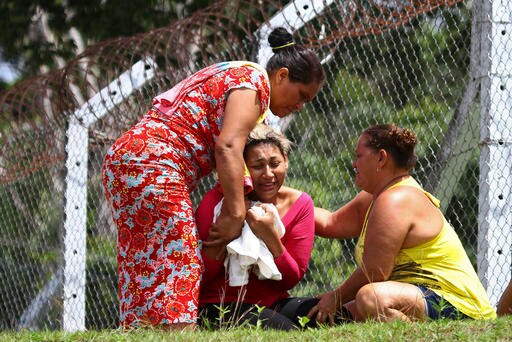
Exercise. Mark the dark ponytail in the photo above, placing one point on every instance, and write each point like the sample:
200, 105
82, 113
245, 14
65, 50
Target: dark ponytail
303, 64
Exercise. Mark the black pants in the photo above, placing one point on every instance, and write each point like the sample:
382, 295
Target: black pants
283, 315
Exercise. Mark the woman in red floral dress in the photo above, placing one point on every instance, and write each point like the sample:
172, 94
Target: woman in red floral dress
148, 174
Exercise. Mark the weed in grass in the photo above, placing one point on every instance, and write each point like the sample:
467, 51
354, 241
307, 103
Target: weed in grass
303, 320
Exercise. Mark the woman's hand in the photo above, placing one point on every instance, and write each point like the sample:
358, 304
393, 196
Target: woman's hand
225, 229
220, 236
326, 308
263, 228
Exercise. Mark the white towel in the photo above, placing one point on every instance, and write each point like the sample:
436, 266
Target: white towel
248, 251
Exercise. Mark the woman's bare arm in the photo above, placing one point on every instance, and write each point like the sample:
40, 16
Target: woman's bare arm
345, 222
241, 113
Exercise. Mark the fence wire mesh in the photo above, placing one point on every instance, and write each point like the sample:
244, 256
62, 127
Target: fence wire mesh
416, 64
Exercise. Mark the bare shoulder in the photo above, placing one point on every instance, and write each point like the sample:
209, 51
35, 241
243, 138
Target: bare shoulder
289, 194
401, 202
407, 205
286, 199
398, 208
401, 197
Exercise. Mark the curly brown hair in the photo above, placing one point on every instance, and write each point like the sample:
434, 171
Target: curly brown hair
398, 142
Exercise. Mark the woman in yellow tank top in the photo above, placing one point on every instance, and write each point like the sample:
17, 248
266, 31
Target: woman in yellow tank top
411, 263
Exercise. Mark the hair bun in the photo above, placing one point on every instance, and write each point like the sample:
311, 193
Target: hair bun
409, 137
280, 38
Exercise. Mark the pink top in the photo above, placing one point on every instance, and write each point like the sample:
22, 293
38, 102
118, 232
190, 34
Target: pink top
298, 241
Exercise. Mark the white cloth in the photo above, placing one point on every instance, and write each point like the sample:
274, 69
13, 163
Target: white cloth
248, 251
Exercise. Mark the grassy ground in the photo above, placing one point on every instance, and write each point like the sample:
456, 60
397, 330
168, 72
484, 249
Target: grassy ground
498, 330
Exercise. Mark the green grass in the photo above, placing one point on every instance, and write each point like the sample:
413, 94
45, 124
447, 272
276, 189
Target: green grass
445, 330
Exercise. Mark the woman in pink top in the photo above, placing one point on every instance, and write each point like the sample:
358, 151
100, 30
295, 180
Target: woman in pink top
266, 157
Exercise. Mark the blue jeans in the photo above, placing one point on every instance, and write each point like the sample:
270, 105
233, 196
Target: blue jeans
437, 307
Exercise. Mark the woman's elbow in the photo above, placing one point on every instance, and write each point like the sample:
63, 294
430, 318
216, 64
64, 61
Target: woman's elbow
290, 280
288, 283
223, 148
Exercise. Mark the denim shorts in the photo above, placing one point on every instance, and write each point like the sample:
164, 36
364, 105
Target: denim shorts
437, 307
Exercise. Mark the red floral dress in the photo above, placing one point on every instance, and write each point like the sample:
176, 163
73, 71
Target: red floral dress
148, 175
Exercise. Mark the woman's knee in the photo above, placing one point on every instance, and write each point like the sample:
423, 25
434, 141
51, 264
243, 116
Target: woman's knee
371, 299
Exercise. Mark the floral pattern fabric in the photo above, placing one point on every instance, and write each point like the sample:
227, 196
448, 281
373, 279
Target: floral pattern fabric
148, 175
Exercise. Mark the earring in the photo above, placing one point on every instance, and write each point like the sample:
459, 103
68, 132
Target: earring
378, 169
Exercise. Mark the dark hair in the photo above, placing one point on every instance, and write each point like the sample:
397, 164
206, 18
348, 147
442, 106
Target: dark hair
398, 142
302, 63
264, 134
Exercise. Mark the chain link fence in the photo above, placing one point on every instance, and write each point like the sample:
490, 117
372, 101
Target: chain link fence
439, 67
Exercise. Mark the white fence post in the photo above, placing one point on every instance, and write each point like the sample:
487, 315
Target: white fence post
76, 186
495, 202
75, 227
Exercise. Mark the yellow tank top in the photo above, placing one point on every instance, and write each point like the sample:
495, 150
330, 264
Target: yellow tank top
440, 265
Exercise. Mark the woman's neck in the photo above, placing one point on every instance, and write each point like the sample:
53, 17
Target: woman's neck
273, 200
395, 179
